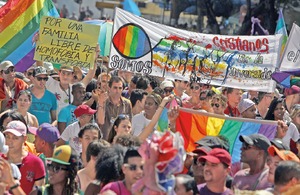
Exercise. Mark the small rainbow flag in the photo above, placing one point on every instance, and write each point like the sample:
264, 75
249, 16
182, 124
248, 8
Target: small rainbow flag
19, 22
281, 29
194, 125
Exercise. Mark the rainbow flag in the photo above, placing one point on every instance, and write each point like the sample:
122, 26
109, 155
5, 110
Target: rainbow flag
19, 22
194, 125
281, 29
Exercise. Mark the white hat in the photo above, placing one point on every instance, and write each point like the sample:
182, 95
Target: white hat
5, 65
244, 105
166, 83
3, 147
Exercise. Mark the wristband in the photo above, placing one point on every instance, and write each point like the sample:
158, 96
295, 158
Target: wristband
14, 186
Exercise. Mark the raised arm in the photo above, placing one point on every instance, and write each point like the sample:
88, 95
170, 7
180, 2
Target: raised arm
91, 72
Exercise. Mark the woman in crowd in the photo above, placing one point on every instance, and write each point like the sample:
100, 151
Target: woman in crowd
122, 125
108, 169
88, 133
219, 104
86, 175
62, 172
140, 121
205, 99
194, 101
295, 116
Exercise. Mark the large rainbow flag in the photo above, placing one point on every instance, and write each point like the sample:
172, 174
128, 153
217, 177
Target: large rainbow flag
194, 125
19, 21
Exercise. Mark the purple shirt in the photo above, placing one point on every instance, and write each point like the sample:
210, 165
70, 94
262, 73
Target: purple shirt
203, 189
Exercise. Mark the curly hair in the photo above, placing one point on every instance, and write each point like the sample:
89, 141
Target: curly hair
109, 164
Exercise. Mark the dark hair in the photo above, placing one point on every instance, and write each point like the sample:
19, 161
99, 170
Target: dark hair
230, 90
71, 185
117, 122
95, 147
90, 126
273, 104
154, 81
130, 153
77, 85
127, 140
159, 91
15, 116
115, 79
137, 94
109, 164
286, 171
25, 92
208, 93
100, 69
91, 86
142, 83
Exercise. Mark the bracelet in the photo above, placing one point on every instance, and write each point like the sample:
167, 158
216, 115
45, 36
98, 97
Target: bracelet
14, 186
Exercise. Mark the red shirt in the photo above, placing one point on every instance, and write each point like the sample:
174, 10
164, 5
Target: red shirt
234, 112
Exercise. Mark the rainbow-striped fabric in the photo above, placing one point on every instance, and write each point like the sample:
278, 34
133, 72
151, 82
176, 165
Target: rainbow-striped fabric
19, 21
194, 125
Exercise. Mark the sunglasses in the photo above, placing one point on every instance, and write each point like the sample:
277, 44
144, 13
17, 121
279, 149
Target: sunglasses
42, 78
123, 116
195, 87
29, 73
216, 105
168, 90
9, 70
133, 167
55, 168
202, 98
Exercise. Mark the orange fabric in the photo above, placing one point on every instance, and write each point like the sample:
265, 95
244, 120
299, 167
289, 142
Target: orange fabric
29, 147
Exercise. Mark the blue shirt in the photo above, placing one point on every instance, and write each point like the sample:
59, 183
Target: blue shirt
66, 115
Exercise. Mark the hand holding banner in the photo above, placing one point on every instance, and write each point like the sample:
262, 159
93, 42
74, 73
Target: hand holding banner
64, 41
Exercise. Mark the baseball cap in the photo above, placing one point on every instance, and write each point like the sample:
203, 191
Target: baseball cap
257, 140
291, 91
166, 83
3, 147
217, 155
5, 65
47, 132
40, 70
283, 154
213, 142
83, 109
279, 144
49, 66
61, 155
245, 104
66, 68
16, 127
202, 150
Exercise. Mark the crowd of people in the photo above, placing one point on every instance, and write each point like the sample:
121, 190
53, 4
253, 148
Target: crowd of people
64, 131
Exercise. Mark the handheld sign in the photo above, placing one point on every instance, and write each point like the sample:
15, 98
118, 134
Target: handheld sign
63, 41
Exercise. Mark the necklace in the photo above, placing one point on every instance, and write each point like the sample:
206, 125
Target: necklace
68, 94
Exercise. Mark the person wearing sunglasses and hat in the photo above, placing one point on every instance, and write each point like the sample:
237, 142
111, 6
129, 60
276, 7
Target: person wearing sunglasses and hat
10, 86
218, 104
254, 153
194, 101
133, 171
62, 169
44, 103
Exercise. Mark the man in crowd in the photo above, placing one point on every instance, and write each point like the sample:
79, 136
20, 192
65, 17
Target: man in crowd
264, 99
10, 86
233, 97
66, 115
167, 86
180, 87
287, 175
133, 171
111, 105
44, 103
216, 169
137, 99
247, 108
254, 153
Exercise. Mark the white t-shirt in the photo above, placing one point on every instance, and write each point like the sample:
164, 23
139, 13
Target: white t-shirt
139, 122
292, 133
63, 98
70, 134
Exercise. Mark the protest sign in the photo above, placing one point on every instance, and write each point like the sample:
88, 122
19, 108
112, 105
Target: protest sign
246, 62
69, 42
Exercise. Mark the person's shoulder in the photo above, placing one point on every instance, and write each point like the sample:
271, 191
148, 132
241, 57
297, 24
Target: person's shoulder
125, 100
